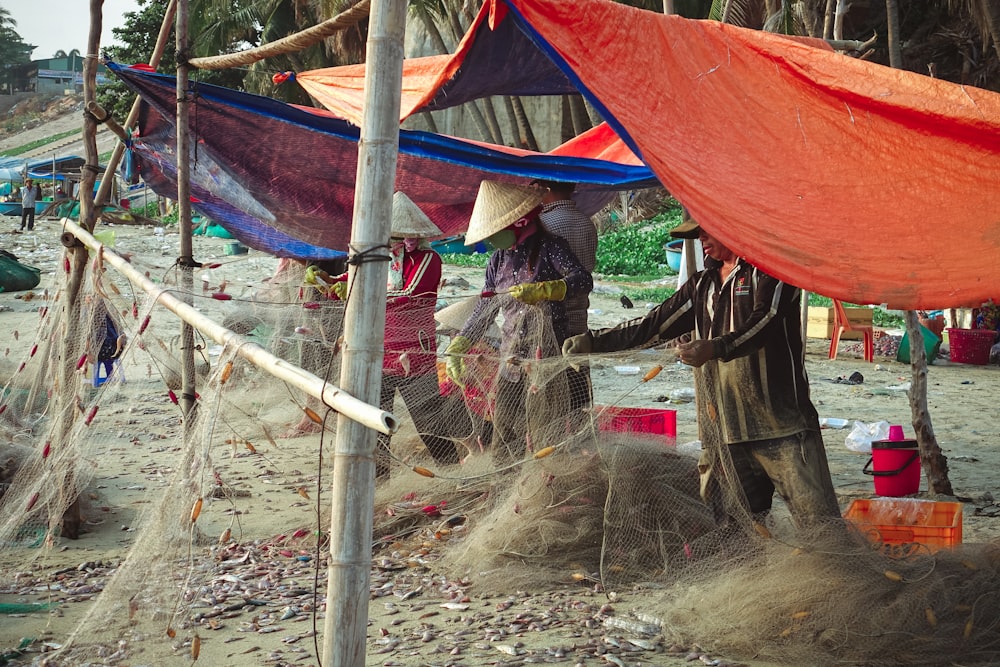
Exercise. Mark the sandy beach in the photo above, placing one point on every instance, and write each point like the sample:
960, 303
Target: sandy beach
447, 622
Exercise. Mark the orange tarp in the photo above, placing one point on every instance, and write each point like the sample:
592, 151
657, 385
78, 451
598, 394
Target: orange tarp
341, 89
847, 178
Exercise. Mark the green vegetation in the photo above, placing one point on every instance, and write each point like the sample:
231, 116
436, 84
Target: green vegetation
479, 259
637, 248
19, 150
649, 294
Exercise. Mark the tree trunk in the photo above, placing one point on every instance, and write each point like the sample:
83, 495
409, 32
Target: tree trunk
578, 109
432, 30
892, 34
515, 130
828, 19
934, 463
492, 122
522, 122
566, 129
458, 31
991, 11
429, 119
838, 19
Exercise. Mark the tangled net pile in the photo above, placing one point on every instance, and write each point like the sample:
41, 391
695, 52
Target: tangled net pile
590, 501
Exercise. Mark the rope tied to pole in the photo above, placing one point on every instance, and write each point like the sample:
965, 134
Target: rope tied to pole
359, 257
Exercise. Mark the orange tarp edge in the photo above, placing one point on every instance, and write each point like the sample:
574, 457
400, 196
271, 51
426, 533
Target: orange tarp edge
850, 179
422, 77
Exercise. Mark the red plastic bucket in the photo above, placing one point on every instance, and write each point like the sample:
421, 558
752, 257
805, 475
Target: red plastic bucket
895, 464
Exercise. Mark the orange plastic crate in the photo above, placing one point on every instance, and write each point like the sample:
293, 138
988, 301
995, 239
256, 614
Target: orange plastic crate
637, 420
900, 521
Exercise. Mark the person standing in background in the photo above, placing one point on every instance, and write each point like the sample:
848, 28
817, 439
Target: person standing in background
561, 217
29, 195
409, 364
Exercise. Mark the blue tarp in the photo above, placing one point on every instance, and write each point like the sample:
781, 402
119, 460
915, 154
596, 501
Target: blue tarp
281, 178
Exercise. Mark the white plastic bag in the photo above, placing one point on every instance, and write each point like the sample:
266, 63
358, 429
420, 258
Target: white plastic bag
862, 435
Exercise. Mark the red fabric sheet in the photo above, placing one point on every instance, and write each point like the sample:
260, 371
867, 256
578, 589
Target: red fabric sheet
847, 178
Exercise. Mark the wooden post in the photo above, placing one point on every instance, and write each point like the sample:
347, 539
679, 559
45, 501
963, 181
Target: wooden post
76, 257
154, 60
353, 493
185, 262
804, 315
934, 463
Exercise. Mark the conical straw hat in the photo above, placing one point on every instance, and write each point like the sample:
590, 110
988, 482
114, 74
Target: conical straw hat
408, 221
499, 205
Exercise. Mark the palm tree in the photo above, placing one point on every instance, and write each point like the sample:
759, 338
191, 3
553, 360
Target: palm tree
222, 26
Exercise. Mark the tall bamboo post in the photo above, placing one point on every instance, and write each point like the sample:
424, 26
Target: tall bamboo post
185, 263
76, 264
154, 61
353, 492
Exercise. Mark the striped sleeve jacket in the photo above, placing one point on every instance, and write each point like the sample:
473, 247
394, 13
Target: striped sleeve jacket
755, 387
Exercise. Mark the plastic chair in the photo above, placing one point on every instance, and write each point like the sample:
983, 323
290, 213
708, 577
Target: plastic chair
842, 324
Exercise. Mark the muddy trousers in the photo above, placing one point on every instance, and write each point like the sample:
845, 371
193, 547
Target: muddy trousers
795, 466
426, 406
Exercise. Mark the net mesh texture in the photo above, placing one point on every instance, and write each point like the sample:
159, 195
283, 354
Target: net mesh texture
573, 499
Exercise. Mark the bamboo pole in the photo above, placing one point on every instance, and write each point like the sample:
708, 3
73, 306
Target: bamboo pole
185, 262
338, 399
133, 115
76, 259
353, 493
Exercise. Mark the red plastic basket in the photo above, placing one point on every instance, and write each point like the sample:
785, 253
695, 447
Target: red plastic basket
971, 346
637, 420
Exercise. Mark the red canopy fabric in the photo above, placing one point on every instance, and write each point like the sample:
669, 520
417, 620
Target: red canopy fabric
847, 178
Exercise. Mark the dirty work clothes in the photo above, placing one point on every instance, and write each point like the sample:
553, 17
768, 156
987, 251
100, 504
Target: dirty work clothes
756, 388
794, 466
29, 195
753, 395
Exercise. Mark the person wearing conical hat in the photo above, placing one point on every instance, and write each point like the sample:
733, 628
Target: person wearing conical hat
527, 279
410, 361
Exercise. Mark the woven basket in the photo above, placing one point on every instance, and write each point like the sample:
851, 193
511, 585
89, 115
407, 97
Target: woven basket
971, 346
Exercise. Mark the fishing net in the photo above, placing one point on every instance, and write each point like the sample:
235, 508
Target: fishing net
599, 498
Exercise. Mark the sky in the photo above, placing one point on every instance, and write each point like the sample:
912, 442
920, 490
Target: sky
63, 24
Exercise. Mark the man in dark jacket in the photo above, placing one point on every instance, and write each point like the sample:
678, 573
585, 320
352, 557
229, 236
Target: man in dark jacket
751, 388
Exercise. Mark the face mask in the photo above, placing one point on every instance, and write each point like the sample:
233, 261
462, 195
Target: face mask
411, 244
503, 240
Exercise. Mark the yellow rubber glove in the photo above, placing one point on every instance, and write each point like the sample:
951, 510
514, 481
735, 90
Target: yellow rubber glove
455, 366
339, 289
532, 293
